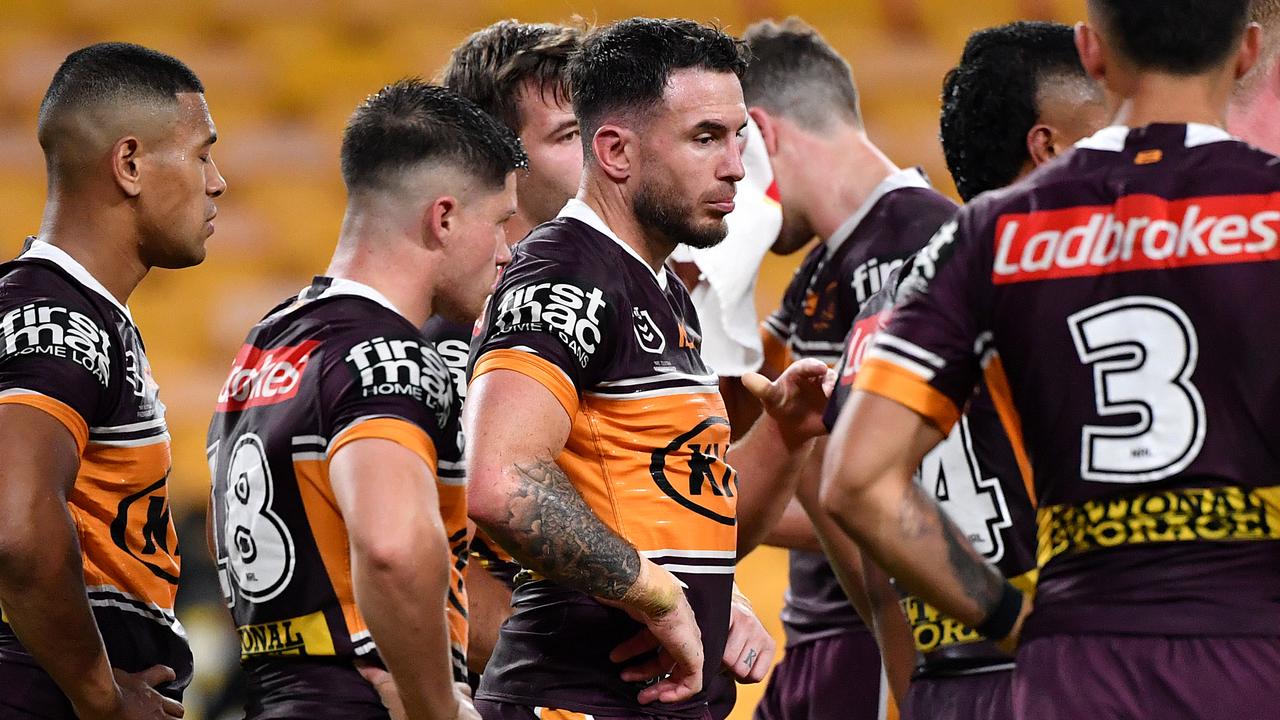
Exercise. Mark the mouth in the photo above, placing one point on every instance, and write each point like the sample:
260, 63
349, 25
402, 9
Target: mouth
722, 206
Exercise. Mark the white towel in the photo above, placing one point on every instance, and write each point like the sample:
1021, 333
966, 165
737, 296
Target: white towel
725, 294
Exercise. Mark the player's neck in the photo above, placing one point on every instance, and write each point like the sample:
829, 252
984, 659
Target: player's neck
1253, 119
518, 226
372, 254
855, 169
103, 242
1151, 98
620, 218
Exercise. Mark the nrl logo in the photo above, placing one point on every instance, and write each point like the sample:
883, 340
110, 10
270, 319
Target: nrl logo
647, 332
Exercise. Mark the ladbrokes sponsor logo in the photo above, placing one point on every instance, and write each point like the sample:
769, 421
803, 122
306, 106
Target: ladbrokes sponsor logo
574, 314
264, 377
52, 330
864, 331
1141, 232
1189, 515
403, 367
934, 631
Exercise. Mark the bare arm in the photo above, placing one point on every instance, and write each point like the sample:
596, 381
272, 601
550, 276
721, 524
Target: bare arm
867, 488
771, 456
893, 633
515, 429
488, 605
42, 577
400, 567
794, 530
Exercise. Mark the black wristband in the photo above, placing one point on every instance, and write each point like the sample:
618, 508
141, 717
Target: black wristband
1000, 622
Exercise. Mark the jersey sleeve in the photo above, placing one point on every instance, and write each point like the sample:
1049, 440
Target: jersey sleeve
929, 356
55, 356
553, 322
388, 383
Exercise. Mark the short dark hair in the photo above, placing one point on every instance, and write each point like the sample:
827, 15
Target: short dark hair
489, 67
114, 72
627, 64
990, 101
1182, 37
411, 122
794, 72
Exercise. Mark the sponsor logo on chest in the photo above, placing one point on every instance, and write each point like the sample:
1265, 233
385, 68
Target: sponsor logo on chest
264, 377
52, 330
573, 313
403, 367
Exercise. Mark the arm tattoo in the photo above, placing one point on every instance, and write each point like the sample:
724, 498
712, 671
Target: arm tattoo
551, 529
921, 516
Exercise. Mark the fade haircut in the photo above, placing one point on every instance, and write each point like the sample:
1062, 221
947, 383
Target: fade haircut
490, 67
411, 123
795, 73
1181, 37
991, 100
627, 65
111, 73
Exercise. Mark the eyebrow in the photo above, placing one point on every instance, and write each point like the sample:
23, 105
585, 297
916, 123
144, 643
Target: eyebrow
711, 126
567, 124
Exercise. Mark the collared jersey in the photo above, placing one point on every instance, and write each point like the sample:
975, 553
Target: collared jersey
817, 311
978, 480
452, 341
335, 364
618, 346
1121, 297
70, 349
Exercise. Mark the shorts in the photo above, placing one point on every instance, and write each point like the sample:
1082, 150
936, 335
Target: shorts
494, 710
28, 693
981, 696
310, 689
832, 678
1130, 677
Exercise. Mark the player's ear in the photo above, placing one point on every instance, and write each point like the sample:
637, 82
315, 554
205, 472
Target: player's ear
1041, 144
1089, 46
768, 130
1250, 50
125, 169
440, 221
613, 147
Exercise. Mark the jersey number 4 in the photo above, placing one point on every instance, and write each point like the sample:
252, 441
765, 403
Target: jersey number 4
254, 547
1143, 351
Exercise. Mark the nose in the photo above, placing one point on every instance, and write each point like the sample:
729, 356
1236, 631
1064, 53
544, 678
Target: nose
503, 255
732, 169
215, 183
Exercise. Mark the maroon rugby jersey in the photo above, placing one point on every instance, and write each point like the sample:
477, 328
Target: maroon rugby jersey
69, 348
818, 309
335, 364
979, 481
618, 345
1122, 297
452, 342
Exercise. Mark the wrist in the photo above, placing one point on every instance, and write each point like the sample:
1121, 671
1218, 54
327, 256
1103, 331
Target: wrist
97, 701
791, 438
1003, 618
655, 593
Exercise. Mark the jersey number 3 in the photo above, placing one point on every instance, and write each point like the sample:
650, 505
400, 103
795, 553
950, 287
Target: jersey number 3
1143, 351
254, 546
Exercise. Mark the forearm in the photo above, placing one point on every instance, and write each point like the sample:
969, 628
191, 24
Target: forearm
769, 467
488, 606
794, 530
43, 594
908, 534
893, 633
402, 598
542, 520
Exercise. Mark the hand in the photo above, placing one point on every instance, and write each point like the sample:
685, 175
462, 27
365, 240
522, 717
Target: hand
748, 654
797, 399
657, 601
1010, 643
385, 684
136, 697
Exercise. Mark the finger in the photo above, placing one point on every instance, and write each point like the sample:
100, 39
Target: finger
172, 707
647, 670
640, 644
759, 386
463, 688
157, 675
734, 647
829, 382
673, 689
762, 664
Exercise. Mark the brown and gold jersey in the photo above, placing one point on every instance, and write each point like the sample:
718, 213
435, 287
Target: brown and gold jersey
335, 364
69, 348
617, 344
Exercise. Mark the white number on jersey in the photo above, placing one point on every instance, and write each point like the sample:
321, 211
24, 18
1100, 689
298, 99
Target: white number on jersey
254, 547
974, 503
1143, 351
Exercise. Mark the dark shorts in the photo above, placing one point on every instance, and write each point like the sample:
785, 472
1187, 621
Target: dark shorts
28, 693
831, 678
310, 689
984, 696
493, 710
1123, 677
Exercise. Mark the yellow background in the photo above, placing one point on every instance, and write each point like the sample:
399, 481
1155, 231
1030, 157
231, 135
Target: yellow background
282, 76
